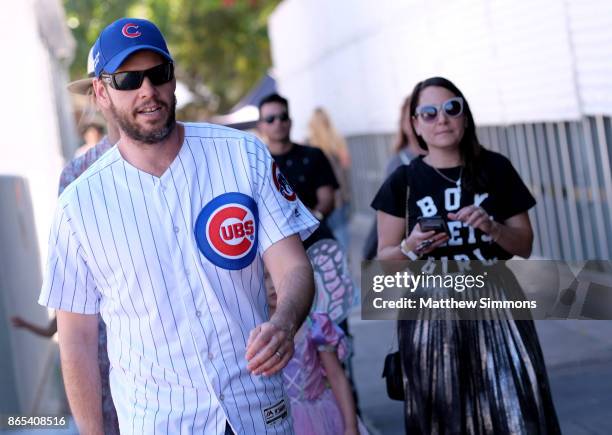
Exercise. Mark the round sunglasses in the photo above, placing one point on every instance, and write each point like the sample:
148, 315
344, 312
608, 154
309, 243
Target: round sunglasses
452, 108
130, 80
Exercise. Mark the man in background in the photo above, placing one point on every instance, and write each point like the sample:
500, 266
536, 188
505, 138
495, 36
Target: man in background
80, 163
92, 135
309, 175
306, 168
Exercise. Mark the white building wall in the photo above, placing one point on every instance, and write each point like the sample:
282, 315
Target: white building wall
590, 27
30, 148
518, 61
30, 143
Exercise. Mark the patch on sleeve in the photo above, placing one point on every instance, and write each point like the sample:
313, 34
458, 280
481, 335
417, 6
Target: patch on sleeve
276, 413
281, 183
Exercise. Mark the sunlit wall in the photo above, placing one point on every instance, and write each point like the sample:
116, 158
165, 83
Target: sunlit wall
518, 61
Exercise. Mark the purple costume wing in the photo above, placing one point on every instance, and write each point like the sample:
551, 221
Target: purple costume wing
333, 284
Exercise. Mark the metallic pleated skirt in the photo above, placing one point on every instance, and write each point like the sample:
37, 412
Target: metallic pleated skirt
475, 376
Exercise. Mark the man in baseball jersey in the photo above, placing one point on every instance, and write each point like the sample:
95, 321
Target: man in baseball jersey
166, 235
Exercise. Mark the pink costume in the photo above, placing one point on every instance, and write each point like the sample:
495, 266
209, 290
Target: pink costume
313, 405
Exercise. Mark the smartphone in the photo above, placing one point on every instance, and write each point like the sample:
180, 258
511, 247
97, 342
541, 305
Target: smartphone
433, 223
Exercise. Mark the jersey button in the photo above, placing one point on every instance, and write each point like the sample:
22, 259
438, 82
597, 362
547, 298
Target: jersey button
210, 355
198, 313
176, 229
221, 397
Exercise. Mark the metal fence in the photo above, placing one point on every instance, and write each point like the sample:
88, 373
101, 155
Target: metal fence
566, 165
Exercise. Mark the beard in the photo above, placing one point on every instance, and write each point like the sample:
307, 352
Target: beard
137, 133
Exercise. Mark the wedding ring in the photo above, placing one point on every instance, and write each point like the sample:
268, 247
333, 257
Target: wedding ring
278, 354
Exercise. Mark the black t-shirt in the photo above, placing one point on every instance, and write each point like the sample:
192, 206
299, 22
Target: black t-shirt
307, 168
505, 195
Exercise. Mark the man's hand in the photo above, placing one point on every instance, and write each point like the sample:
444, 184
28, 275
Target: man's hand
270, 345
269, 348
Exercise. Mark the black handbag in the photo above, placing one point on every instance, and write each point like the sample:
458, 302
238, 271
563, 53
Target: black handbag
392, 372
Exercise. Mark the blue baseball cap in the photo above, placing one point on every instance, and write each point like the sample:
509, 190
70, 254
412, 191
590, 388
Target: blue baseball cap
124, 37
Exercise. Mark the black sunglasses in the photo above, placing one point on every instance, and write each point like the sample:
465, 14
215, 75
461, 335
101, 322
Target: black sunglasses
130, 80
283, 117
452, 107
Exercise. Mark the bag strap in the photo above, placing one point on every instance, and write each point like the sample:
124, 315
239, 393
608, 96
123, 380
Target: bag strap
407, 219
394, 343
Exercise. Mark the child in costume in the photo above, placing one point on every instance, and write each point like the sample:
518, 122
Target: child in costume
315, 381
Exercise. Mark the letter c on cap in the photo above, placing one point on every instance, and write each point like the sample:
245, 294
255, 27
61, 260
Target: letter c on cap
130, 31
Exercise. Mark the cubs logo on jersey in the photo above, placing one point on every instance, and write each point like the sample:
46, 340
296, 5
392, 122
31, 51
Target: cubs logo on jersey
226, 230
281, 183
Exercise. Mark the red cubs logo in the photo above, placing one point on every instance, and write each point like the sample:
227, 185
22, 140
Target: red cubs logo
281, 183
226, 230
130, 30
231, 230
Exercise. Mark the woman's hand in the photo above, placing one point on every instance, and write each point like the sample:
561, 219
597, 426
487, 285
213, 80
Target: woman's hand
391, 233
514, 235
476, 217
422, 243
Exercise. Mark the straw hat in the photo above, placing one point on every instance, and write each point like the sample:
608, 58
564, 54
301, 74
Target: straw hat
83, 86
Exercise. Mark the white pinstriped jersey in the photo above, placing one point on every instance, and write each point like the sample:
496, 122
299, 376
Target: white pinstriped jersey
174, 266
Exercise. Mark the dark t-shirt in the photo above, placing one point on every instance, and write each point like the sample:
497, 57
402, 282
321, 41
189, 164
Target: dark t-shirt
505, 195
306, 168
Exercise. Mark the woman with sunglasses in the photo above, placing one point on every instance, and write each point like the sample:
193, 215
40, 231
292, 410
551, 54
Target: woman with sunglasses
470, 376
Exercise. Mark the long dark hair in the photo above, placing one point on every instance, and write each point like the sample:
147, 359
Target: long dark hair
469, 147
401, 138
